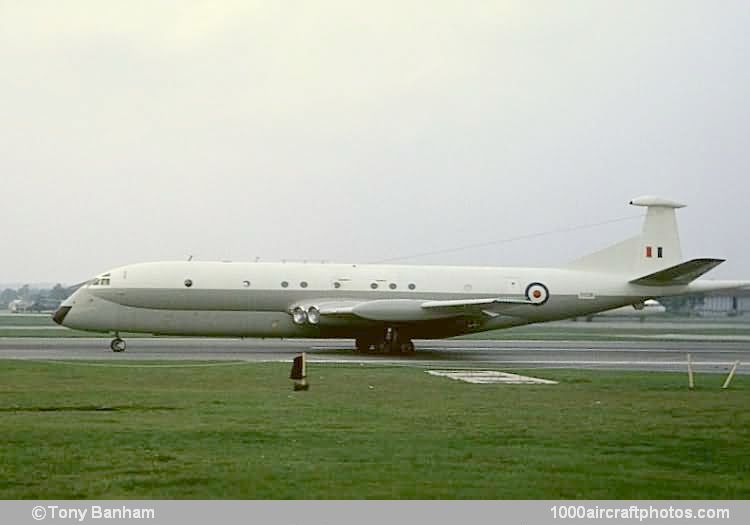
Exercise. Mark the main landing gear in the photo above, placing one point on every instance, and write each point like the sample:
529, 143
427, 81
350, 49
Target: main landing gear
389, 343
117, 344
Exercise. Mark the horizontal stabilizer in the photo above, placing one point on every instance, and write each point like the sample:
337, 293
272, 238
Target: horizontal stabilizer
681, 274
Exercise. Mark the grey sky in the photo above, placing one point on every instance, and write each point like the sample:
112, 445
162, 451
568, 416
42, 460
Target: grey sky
359, 131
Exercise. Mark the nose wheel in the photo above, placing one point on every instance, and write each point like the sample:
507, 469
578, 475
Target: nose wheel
118, 345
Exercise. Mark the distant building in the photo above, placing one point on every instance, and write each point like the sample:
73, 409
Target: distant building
19, 306
42, 304
725, 303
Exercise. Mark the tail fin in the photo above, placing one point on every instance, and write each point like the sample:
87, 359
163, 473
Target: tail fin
656, 248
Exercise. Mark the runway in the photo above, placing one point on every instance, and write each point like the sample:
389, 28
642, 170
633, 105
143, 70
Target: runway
715, 356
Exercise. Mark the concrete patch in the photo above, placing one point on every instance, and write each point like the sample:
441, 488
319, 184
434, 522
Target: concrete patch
484, 377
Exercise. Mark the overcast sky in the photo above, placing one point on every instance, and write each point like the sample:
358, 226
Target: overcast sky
359, 131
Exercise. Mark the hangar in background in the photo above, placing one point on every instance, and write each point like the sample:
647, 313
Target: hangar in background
727, 303
730, 303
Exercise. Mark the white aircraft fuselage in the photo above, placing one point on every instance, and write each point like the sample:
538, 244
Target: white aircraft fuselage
382, 304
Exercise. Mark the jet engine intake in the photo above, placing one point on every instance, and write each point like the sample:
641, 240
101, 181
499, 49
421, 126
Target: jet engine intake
313, 315
299, 316
303, 314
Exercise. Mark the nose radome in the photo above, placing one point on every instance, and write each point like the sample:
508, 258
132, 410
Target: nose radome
60, 314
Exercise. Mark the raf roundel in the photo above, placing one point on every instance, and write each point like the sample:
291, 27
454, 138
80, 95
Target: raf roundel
537, 293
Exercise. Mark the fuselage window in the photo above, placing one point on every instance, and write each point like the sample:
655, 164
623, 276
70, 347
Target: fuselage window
303, 284
392, 286
246, 284
412, 286
337, 285
284, 284
374, 286
188, 283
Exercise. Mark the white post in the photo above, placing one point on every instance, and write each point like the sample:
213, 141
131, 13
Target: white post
691, 383
731, 375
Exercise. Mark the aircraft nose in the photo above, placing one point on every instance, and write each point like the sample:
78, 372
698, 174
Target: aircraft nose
60, 314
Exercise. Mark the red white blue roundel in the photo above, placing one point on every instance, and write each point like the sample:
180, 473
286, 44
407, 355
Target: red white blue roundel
537, 293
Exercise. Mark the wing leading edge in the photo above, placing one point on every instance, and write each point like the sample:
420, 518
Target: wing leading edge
410, 310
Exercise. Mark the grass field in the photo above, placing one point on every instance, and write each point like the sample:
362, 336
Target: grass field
26, 320
602, 330
154, 430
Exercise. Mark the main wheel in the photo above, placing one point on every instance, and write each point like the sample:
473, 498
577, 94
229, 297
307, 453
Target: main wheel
118, 345
407, 347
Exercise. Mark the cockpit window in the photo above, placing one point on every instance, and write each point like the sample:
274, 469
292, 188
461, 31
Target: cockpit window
104, 280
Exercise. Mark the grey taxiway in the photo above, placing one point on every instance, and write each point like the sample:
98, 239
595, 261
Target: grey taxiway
707, 356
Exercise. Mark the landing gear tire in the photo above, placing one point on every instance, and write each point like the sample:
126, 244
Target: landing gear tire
390, 344
407, 347
118, 345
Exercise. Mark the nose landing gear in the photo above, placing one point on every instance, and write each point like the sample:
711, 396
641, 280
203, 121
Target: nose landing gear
118, 345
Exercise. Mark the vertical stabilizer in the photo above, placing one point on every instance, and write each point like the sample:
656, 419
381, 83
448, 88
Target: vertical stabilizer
660, 239
656, 248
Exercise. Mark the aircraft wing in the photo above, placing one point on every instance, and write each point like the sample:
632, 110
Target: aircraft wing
413, 310
468, 303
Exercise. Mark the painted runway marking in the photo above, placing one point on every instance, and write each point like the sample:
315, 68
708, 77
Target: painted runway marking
619, 363
686, 337
485, 377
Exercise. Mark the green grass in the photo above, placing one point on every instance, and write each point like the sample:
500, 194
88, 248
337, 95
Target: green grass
699, 329
63, 333
92, 430
535, 333
591, 332
580, 331
26, 320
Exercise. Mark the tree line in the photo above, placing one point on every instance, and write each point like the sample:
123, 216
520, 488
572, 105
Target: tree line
34, 296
